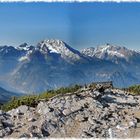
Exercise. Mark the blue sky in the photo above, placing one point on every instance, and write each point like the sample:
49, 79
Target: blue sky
81, 25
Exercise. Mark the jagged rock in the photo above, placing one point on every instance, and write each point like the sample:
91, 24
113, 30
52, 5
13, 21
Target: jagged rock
43, 108
105, 124
48, 127
113, 106
57, 113
5, 132
90, 113
75, 108
113, 121
87, 135
35, 135
66, 112
30, 116
63, 101
63, 120
115, 115
31, 119
55, 101
68, 104
2, 112
32, 129
1, 125
91, 120
8, 123
79, 117
100, 88
95, 93
70, 122
3, 117
24, 135
133, 122
21, 110
131, 101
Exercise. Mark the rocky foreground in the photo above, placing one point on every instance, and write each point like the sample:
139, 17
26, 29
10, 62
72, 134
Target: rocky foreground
97, 113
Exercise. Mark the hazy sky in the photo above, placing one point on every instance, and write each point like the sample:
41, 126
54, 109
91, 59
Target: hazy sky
78, 24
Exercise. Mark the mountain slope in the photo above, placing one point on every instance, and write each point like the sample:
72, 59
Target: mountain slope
6, 95
112, 53
47, 67
128, 61
53, 64
59, 47
9, 58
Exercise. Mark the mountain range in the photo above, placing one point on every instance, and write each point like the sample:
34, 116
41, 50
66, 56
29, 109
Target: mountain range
53, 64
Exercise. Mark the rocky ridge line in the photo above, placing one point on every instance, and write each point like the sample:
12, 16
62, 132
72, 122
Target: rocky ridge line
98, 113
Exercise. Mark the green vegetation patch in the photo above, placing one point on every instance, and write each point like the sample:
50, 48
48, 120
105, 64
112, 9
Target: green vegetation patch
32, 100
135, 89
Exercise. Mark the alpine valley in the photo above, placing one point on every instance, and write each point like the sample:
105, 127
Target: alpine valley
53, 63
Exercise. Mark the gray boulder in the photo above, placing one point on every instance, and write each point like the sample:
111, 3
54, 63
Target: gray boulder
42, 108
21, 110
5, 132
48, 128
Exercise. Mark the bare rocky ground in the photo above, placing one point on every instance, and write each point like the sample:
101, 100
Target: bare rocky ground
98, 113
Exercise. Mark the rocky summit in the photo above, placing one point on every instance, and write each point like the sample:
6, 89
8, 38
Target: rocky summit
101, 112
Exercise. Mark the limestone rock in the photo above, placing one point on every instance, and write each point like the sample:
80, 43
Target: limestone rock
98, 113
48, 127
43, 108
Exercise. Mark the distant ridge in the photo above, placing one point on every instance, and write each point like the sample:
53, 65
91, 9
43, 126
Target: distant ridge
53, 63
6, 95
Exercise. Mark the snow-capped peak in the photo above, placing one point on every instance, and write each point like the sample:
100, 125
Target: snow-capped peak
109, 52
88, 51
59, 47
25, 47
52, 45
27, 51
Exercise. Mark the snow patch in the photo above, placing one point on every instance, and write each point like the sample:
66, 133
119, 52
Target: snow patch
23, 58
